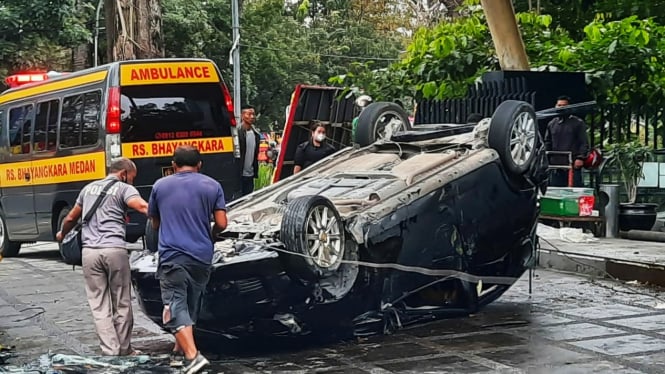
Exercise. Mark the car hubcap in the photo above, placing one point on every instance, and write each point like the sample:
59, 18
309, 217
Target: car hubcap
324, 237
388, 124
2, 232
523, 138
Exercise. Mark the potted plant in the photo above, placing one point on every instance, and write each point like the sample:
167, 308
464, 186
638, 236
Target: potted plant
628, 159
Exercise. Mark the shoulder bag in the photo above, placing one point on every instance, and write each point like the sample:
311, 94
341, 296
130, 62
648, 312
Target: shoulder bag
71, 247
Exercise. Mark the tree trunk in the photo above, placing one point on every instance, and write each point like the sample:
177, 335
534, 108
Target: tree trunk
133, 29
149, 26
506, 36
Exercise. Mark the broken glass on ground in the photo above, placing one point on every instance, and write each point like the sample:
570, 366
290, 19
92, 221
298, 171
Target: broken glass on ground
62, 363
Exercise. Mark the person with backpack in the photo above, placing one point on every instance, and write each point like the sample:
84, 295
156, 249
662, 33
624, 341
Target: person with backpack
313, 150
104, 257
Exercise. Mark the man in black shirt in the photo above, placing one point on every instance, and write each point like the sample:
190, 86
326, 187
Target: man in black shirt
566, 133
313, 150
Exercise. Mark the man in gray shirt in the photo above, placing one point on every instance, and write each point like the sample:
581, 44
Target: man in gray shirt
249, 149
105, 257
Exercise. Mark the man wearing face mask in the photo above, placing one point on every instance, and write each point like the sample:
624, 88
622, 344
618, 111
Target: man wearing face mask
314, 149
566, 133
105, 258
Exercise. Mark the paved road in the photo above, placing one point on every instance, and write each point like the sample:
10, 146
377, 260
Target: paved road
569, 324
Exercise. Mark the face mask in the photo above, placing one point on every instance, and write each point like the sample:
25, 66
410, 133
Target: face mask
320, 137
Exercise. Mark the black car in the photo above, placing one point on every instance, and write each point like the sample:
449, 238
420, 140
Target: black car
434, 221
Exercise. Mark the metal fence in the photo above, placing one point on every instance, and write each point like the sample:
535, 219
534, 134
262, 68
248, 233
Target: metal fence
482, 99
619, 123
610, 123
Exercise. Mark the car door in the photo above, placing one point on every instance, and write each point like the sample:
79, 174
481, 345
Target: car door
17, 187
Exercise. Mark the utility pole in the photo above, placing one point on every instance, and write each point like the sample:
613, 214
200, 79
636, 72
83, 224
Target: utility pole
235, 51
508, 43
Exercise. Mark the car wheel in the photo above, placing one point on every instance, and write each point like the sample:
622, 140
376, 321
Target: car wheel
151, 237
313, 230
513, 133
380, 121
8, 248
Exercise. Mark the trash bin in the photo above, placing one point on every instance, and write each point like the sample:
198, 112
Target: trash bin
610, 209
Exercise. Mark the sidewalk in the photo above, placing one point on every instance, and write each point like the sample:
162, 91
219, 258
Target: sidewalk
623, 259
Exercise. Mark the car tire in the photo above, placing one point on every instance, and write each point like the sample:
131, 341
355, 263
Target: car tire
373, 119
303, 233
151, 237
513, 133
8, 248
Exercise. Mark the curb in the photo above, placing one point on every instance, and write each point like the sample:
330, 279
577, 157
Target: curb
601, 267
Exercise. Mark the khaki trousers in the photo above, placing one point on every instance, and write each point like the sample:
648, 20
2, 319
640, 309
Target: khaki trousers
108, 287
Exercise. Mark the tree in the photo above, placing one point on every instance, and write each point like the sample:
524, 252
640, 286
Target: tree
39, 34
133, 29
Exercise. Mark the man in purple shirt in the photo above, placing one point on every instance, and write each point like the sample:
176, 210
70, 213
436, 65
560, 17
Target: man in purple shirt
180, 207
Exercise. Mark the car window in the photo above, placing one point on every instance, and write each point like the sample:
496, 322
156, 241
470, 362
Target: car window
46, 125
79, 123
178, 111
20, 129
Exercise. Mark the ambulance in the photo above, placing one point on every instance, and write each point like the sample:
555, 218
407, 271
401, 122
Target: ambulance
61, 131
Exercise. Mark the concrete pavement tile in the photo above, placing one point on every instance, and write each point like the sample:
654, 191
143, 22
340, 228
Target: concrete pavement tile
46, 291
622, 345
9, 323
536, 355
8, 311
583, 368
480, 341
449, 364
389, 352
26, 332
439, 328
574, 331
606, 311
349, 370
647, 323
656, 361
543, 319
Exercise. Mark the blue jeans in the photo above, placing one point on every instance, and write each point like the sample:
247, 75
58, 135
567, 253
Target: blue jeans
559, 178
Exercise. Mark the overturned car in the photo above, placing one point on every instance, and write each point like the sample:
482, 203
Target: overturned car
435, 221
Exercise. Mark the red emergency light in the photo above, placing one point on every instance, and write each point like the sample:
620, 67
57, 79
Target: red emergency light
20, 79
25, 78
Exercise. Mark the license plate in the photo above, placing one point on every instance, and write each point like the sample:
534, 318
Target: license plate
167, 171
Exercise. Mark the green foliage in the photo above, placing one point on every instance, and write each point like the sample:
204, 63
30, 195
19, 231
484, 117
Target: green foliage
629, 158
37, 34
624, 59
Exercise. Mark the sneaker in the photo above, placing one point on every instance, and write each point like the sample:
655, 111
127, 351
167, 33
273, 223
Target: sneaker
196, 364
176, 359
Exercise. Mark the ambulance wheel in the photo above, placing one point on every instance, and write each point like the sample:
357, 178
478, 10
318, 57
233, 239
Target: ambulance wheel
8, 248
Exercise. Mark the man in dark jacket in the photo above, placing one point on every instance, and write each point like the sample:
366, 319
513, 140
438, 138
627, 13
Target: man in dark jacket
249, 140
566, 133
